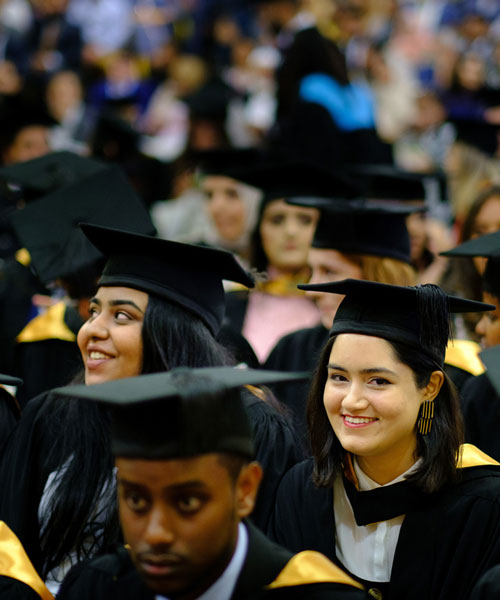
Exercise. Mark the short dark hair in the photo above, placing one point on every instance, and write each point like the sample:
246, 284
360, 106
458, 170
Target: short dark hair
438, 449
233, 463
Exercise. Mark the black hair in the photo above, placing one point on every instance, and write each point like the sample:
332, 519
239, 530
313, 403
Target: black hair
438, 450
81, 448
234, 463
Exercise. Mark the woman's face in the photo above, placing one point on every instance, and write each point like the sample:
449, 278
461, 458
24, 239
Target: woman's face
286, 233
488, 327
225, 206
329, 265
111, 340
487, 221
372, 403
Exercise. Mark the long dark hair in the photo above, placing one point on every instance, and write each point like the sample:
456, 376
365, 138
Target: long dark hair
172, 337
438, 450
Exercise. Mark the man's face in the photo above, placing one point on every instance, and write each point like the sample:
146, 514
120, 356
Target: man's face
180, 518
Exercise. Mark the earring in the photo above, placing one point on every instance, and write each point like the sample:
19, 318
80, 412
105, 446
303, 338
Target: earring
424, 424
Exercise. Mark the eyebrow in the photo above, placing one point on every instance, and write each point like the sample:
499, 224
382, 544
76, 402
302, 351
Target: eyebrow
117, 303
175, 487
365, 371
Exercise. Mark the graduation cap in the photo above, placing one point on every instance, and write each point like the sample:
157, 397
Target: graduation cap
10, 380
481, 135
48, 227
297, 179
180, 413
186, 274
417, 316
491, 360
221, 161
50, 172
360, 227
211, 100
485, 245
385, 182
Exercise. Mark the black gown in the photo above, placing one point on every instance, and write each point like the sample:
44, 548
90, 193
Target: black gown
446, 542
114, 576
481, 408
24, 469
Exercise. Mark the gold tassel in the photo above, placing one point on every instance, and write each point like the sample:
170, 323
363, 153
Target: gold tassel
424, 424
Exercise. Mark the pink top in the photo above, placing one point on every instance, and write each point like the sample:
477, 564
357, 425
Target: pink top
269, 317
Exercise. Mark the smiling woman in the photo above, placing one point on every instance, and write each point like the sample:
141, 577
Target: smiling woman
159, 305
387, 462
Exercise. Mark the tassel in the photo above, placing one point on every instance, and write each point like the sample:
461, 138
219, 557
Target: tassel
434, 319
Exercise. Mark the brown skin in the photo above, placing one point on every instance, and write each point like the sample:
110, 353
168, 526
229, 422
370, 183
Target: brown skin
180, 519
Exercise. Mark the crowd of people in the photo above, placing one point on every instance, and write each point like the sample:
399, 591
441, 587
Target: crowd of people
249, 325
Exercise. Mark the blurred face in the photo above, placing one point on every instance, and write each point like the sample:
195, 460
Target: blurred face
286, 233
329, 265
487, 221
225, 206
372, 403
64, 92
31, 142
111, 340
180, 518
488, 326
470, 72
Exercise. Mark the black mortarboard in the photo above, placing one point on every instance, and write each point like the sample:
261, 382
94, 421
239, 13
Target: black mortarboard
297, 179
417, 316
385, 182
481, 135
10, 380
211, 100
221, 161
485, 245
186, 274
48, 227
51, 172
491, 360
179, 413
361, 228
490, 280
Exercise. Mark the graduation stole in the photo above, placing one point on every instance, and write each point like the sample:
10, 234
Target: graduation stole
386, 502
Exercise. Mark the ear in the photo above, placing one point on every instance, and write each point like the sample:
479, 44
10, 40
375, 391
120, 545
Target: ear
247, 487
431, 390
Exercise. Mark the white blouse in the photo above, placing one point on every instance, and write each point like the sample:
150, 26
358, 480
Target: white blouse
367, 551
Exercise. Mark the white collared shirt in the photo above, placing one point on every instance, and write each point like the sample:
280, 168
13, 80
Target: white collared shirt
367, 551
222, 588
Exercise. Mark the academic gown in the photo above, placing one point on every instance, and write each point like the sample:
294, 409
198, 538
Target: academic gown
305, 576
481, 409
446, 542
24, 470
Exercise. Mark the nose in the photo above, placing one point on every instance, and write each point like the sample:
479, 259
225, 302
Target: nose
481, 325
96, 327
158, 532
355, 398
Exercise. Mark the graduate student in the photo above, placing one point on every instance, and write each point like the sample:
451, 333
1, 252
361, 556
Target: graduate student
480, 401
390, 493
159, 305
187, 480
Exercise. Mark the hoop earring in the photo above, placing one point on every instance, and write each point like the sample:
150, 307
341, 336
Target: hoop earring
424, 423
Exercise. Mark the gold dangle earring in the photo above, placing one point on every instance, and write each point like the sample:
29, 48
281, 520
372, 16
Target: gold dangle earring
424, 424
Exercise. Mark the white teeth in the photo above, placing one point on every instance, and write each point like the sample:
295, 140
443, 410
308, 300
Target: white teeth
358, 420
97, 355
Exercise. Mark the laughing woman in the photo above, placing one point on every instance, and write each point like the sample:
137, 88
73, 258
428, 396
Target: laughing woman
390, 493
159, 305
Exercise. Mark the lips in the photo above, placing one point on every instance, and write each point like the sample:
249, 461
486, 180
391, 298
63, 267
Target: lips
96, 357
357, 422
160, 566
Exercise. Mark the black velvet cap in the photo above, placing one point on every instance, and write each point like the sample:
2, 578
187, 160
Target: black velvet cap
179, 413
10, 380
484, 245
51, 172
186, 274
222, 161
385, 182
297, 179
360, 227
417, 316
48, 227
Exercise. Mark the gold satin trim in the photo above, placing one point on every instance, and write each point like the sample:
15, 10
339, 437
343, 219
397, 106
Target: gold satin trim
23, 257
284, 285
256, 392
14, 563
470, 456
48, 326
311, 567
463, 354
